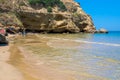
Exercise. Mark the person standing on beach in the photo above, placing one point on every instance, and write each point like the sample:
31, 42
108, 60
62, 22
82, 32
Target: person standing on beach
22, 31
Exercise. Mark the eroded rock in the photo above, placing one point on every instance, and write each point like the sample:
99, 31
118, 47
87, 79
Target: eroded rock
73, 20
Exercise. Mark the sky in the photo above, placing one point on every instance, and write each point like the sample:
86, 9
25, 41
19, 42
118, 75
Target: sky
105, 13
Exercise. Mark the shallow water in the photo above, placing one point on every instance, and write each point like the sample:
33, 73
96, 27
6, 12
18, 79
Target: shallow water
94, 56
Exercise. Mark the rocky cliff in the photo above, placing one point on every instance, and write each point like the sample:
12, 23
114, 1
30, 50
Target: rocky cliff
37, 17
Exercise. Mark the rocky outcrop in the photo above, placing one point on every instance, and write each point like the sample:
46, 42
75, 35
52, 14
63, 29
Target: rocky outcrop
73, 20
8, 15
3, 39
9, 19
82, 20
102, 30
49, 22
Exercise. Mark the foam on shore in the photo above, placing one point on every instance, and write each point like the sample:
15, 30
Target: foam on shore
89, 42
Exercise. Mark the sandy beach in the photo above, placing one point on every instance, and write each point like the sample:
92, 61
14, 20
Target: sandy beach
17, 64
8, 71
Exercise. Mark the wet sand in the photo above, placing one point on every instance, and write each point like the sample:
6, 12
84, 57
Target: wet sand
25, 61
19, 63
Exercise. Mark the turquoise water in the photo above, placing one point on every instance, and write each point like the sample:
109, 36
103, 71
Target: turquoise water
111, 37
104, 50
96, 55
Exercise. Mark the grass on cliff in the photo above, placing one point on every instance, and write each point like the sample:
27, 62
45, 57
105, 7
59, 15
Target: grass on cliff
2, 1
49, 4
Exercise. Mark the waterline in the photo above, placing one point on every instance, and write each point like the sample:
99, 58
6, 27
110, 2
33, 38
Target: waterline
107, 44
89, 42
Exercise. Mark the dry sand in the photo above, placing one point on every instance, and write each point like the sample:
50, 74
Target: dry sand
7, 71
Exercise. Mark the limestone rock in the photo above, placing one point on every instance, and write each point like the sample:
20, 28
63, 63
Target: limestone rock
102, 30
9, 19
73, 20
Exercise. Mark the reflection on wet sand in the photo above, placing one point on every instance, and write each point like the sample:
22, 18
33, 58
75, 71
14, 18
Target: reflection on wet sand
17, 59
43, 58
28, 68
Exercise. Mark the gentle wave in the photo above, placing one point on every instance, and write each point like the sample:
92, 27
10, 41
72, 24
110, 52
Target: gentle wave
101, 43
108, 44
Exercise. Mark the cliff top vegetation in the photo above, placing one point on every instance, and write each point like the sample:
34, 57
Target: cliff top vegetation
49, 4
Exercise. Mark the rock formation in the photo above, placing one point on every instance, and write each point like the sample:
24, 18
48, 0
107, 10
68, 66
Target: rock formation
102, 30
36, 17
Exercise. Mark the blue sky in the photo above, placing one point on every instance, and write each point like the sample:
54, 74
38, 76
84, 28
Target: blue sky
105, 13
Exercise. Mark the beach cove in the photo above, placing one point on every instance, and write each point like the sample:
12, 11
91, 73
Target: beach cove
53, 57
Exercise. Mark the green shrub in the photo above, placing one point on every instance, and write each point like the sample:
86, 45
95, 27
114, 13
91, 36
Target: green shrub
33, 2
62, 6
49, 3
49, 9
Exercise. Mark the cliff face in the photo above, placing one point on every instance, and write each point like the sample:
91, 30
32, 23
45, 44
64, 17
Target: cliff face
36, 17
8, 14
82, 20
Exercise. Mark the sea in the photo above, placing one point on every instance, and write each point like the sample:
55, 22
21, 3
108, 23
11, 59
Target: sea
85, 56
94, 56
